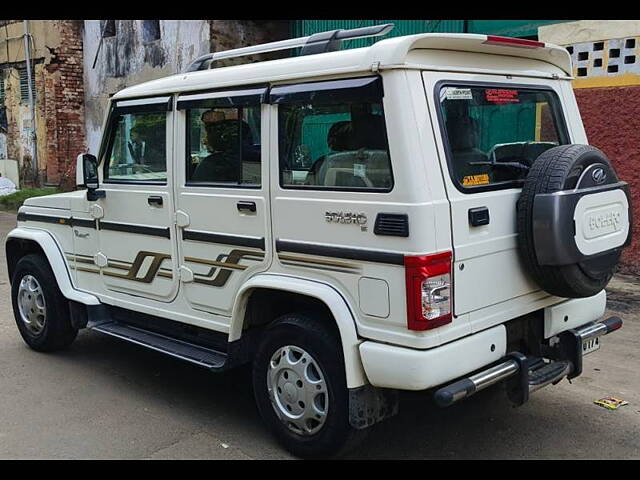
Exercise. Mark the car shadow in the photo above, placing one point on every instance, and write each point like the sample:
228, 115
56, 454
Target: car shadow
485, 426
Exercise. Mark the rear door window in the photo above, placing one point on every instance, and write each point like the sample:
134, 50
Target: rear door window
332, 136
223, 146
493, 134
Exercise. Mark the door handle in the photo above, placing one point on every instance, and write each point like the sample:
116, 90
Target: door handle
155, 200
246, 206
479, 216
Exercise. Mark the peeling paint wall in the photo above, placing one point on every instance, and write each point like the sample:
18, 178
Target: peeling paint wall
229, 34
56, 56
126, 59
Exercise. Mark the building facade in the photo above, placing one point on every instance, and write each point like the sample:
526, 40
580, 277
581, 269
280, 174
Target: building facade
78, 64
121, 53
55, 51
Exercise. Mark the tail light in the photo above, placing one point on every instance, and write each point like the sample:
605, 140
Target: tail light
428, 281
513, 42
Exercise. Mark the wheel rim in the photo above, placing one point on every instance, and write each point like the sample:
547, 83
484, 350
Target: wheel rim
298, 390
31, 304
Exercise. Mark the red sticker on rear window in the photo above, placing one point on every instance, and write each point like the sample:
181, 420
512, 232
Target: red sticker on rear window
497, 95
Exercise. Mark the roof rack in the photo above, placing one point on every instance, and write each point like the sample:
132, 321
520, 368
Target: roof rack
317, 43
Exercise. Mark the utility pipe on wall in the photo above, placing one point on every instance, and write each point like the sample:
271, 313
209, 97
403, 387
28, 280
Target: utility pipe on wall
32, 106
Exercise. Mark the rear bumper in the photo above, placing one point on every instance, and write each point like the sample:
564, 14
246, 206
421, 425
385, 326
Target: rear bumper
390, 366
525, 375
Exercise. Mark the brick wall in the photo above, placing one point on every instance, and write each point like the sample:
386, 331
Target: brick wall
611, 117
64, 104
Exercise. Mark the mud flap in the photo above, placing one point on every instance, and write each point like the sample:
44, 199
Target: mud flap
369, 405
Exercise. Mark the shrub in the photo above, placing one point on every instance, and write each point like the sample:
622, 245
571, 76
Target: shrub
15, 200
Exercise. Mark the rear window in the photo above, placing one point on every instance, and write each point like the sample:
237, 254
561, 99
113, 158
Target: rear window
493, 134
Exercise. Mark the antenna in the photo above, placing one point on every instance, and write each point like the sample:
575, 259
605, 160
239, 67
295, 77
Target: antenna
313, 44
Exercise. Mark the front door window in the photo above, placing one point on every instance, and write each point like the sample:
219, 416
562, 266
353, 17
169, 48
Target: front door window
138, 148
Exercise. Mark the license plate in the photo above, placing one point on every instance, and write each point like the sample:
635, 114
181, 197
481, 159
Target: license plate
590, 345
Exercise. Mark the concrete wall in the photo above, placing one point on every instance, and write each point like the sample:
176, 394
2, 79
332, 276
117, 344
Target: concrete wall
606, 67
126, 60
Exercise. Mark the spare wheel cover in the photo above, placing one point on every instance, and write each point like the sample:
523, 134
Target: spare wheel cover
573, 220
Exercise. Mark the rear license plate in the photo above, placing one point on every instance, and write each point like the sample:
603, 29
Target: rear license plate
590, 345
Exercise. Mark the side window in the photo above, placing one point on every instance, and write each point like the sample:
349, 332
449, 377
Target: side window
223, 146
334, 140
138, 148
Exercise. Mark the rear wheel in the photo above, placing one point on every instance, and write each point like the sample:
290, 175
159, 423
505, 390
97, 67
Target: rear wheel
40, 310
300, 388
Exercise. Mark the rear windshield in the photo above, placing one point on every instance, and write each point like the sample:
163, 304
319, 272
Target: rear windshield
493, 134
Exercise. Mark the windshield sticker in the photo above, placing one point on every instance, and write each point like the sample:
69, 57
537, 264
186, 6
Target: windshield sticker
472, 180
452, 93
497, 95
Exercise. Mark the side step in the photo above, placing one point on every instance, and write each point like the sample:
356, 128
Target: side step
205, 357
548, 373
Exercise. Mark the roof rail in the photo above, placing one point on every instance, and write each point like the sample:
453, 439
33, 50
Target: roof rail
317, 43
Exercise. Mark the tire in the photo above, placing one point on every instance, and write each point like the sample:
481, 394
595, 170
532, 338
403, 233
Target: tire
51, 330
558, 169
334, 436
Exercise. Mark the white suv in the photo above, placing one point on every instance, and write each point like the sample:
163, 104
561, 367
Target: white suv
420, 214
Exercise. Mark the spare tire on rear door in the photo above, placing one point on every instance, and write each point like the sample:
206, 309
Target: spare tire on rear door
573, 220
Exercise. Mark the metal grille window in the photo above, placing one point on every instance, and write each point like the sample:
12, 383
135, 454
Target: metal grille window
607, 58
24, 85
150, 30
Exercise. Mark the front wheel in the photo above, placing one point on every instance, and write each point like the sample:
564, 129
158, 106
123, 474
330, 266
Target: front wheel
40, 309
300, 388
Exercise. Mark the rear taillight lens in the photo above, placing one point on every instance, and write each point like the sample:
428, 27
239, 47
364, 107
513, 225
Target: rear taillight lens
513, 42
428, 279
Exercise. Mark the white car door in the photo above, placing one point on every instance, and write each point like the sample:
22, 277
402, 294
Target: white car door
137, 247
222, 189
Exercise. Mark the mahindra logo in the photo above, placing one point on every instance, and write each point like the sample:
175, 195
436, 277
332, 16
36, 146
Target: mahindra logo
598, 175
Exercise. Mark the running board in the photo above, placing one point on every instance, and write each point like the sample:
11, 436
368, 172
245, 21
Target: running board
203, 356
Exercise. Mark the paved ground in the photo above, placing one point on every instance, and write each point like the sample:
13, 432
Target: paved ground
107, 399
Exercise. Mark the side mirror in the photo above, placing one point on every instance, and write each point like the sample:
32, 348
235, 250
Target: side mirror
87, 175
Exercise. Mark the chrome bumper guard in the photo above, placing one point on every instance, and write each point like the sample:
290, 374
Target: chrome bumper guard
528, 374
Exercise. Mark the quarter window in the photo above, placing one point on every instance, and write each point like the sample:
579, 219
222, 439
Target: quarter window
494, 134
334, 145
138, 148
223, 146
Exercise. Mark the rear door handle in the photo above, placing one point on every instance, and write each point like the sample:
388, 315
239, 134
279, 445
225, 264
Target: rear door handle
246, 206
155, 200
478, 216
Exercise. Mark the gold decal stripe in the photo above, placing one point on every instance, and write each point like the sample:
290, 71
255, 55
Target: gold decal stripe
296, 258
223, 268
88, 270
234, 266
320, 267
